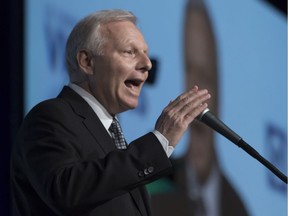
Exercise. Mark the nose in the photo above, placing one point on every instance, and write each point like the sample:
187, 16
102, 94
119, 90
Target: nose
144, 63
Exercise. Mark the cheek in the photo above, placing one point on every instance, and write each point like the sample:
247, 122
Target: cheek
107, 76
118, 68
146, 74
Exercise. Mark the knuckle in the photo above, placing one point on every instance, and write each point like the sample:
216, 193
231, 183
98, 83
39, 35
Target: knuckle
182, 97
166, 111
173, 116
169, 113
188, 105
188, 115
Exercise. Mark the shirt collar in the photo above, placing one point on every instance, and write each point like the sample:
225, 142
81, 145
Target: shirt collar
97, 107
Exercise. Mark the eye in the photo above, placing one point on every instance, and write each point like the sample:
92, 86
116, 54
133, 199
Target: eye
128, 51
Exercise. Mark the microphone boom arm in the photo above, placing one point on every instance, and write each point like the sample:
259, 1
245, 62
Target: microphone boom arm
210, 120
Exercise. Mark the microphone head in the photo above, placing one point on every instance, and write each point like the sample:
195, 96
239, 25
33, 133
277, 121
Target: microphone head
200, 116
216, 124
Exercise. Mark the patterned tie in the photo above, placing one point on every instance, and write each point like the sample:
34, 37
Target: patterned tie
117, 135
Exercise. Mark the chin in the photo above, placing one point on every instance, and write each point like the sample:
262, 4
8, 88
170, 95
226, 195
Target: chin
127, 101
123, 107
130, 106
134, 106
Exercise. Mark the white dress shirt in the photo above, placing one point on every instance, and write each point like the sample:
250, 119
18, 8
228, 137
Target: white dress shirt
107, 119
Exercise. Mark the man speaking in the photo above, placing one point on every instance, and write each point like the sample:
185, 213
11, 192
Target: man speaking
70, 156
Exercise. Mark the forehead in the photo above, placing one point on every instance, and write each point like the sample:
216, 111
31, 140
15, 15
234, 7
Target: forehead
124, 32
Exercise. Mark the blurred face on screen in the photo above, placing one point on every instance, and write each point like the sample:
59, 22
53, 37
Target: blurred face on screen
119, 74
201, 152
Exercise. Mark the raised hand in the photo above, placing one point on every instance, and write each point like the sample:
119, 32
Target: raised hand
179, 113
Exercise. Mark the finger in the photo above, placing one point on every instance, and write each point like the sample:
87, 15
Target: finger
189, 101
195, 102
183, 98
190, 116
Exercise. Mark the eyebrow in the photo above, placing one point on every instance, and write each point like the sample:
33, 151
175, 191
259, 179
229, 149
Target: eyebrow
133, 43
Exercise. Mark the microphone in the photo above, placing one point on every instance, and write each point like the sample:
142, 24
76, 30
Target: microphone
213, 122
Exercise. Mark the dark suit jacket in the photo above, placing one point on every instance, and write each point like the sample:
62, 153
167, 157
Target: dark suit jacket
65, 163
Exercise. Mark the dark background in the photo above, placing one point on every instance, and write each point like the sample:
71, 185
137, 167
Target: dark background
11, 19
12, 69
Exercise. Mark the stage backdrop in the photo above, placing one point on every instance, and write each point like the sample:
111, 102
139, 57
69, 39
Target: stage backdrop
251, 42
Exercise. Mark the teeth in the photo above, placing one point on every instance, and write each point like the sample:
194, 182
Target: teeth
133, 82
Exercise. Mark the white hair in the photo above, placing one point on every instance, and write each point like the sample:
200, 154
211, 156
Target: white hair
87, 34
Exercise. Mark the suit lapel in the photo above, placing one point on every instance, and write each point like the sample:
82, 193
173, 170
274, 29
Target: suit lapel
96, 128
90, 119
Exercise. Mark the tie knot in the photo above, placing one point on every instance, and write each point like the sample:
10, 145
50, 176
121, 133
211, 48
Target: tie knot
117, 135
115, 126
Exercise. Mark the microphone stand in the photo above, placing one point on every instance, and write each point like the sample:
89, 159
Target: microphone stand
251, 151
209, 119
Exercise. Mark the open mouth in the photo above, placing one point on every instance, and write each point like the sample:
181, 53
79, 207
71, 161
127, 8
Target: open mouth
132, 83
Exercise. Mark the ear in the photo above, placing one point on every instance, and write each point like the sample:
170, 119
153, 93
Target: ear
85, 61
